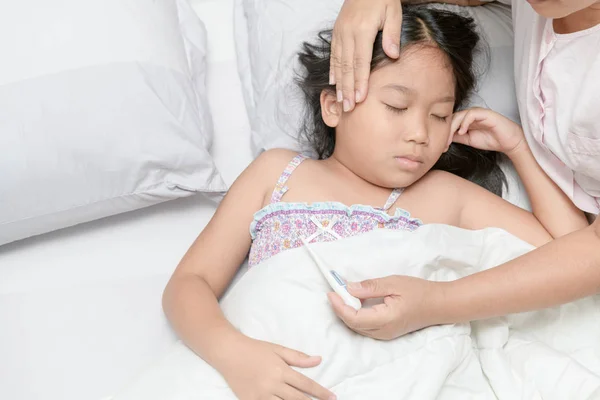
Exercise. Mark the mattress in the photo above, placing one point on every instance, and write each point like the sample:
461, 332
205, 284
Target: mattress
80, 308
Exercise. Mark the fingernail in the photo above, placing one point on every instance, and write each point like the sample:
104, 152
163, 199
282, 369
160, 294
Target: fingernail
357, 95
354, 285
346, 106
340, 96
331, 79
395, 49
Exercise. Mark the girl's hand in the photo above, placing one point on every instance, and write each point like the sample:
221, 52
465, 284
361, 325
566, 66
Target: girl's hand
487, 130
260, 370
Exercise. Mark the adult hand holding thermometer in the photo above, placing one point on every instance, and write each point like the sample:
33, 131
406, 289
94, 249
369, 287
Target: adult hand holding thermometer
334, 279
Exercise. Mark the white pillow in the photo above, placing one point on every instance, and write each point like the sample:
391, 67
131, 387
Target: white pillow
102, 110
269, 35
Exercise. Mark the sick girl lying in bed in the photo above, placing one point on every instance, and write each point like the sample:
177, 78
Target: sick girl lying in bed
388, 164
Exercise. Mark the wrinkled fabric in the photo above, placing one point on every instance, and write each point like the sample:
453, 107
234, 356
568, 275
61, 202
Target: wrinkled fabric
548, 354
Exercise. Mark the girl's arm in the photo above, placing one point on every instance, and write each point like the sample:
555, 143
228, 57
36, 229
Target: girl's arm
253, 369
550, 205
190, 298
479, 209
470, 206
487, 130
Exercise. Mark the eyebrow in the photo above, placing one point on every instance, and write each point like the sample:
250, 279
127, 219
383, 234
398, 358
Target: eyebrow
409, 91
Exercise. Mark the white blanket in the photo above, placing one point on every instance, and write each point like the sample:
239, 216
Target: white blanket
550, 354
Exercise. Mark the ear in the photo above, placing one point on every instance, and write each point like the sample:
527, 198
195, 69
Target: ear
331, 110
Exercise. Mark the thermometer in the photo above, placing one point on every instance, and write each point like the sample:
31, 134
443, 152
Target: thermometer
336, 282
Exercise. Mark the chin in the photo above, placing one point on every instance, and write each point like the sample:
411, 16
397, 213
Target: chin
402, 180
550, 12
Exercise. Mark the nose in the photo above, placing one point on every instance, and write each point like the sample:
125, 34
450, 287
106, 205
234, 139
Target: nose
416, 131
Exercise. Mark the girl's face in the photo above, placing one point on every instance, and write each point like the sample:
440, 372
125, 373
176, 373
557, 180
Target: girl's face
560, 8
401, 129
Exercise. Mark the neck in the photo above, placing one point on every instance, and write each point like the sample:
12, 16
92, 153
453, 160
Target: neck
337, 165
578, 21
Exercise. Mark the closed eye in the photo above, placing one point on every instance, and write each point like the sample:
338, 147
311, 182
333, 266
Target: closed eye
443, 119
395, 110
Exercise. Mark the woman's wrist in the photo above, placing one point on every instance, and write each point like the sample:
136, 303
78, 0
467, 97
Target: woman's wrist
444, 304
456, 303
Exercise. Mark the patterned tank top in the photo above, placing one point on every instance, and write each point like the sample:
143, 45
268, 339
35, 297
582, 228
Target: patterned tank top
279, 225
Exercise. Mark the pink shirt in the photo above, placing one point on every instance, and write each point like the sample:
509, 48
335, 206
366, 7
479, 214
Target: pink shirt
558, 89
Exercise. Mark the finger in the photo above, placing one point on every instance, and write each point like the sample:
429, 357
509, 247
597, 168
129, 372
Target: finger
372, 332
474, 115
457, 120
367, 318
460, 122
462, 139
307, 385
297, 358
336, 60
373, 288
287, 392
391, 29
362, 63
342, 310
466, 122
348, 74
332, 57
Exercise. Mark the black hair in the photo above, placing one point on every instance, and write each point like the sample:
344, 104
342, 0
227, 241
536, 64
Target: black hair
456, 37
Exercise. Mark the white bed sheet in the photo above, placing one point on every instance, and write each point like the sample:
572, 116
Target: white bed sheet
80, 309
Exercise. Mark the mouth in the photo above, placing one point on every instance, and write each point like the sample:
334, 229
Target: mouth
409, 162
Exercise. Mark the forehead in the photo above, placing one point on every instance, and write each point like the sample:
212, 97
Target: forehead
418, 67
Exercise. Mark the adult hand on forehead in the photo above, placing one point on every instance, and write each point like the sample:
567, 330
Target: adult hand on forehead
354, 33
352, 45
408, 304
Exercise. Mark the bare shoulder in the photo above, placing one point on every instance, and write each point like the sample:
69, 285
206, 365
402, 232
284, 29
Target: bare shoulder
275, 157
271, 163
266, 169
439, 196
441, 183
